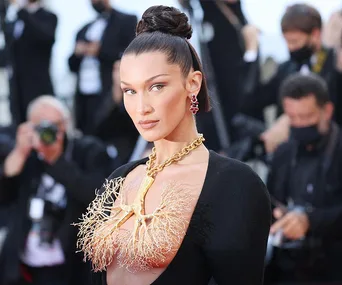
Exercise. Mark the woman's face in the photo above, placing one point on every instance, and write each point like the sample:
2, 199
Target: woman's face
155, 94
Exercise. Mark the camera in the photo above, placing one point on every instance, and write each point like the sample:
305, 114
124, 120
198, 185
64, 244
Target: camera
47, 132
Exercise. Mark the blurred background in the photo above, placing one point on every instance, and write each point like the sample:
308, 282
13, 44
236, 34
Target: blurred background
265, 14
274, 73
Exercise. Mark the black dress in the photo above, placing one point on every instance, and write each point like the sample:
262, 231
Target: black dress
228, 231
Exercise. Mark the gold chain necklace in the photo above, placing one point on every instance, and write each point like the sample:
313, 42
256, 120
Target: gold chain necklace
138, 206
152, 171
150, 241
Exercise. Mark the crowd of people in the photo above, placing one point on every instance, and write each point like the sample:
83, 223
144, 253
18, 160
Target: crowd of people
53, 158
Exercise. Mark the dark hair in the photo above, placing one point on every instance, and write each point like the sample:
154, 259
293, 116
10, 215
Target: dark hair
301, 17
167, 30
298, 86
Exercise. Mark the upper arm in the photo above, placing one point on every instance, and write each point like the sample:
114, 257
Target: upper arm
242, 222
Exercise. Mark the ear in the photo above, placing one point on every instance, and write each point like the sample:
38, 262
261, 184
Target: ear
194, 82
328, 111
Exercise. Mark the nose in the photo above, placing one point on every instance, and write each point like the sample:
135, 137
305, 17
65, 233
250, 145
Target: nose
144, 106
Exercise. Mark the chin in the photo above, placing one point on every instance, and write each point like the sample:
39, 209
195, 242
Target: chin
151, 135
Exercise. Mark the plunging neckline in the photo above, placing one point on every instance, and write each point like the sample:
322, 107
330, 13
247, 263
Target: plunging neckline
195, 212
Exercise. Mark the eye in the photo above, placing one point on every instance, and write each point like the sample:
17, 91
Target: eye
128, 91
157, 87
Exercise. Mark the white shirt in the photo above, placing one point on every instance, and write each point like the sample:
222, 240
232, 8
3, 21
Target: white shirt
90, 76
305, 69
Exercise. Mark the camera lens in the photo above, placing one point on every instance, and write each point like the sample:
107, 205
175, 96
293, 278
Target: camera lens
47, 132
48, 136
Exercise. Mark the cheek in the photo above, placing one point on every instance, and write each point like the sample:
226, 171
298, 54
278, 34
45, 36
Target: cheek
129, 106
172, 106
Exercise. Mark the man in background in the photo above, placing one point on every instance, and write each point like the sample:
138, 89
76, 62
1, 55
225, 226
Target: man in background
49, 177
99, 45
306, 188
30, 34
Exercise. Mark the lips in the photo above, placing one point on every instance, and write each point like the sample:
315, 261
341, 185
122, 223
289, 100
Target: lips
148, 124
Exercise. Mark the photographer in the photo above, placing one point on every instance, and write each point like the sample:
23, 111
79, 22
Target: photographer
51, 178
306, 187
30, 35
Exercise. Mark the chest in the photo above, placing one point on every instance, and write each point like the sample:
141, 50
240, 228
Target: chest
146, 220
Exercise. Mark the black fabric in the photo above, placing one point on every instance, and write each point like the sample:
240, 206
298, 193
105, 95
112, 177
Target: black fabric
81, 175
30, 59
324, 207
117, 35
56, 275
267, 94
228, 231
226, 55
114, 126
307, 165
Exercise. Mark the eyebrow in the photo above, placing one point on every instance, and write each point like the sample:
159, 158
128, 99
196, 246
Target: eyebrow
151, 78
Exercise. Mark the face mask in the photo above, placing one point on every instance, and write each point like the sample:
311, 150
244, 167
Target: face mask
99, 7
306, 135
302, 55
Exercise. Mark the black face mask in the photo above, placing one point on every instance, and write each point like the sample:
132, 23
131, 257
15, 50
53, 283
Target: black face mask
99, 7
306, 135
302, 55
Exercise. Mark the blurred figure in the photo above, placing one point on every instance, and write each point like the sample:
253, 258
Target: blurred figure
30, 34
7, 138
306, 187
226, 49
99, 45
332, 31
112, 124
50, 178
226, 41
302, 29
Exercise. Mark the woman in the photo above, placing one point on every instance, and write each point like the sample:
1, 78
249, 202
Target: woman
185, 214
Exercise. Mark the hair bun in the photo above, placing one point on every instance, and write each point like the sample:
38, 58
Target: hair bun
165, 19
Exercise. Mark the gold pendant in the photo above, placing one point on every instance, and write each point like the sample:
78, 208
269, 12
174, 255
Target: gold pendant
138, 207
139, 201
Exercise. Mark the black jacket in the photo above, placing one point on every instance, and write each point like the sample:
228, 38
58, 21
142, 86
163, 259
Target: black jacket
30, 56
116, 37
326, 216
81, 174
267, 94
321, 251
113, 125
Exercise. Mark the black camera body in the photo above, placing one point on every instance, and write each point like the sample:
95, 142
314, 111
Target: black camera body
47, 132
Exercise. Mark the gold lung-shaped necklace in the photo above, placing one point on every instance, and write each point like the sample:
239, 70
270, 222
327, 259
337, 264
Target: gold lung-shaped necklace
100, 237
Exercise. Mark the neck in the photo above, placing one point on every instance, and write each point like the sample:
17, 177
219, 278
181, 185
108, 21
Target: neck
182, 136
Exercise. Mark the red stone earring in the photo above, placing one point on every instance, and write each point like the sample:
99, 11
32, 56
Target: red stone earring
194, 104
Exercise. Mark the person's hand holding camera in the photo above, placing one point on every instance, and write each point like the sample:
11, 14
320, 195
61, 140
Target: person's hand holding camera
294, 224
49, 152
16, 159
